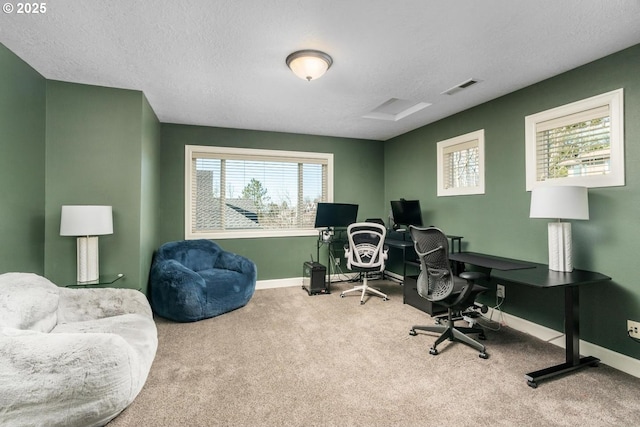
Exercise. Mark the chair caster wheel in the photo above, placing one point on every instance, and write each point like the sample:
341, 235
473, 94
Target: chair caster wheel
361, 302
433, 351
483, 355
341, 295
385, 299
532, 384
413, 332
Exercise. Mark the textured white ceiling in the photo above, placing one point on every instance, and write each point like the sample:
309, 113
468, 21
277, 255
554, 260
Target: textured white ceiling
222, 62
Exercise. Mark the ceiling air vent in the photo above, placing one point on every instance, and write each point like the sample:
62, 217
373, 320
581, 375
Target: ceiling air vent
459, 87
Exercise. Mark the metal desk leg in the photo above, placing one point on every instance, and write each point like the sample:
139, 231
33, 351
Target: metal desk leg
573, 361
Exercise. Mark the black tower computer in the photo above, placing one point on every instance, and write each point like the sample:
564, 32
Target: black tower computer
313, 278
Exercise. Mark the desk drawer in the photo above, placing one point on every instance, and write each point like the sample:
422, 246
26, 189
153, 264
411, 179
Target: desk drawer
411, 297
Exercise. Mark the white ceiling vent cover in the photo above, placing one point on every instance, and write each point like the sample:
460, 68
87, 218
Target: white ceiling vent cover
461, 86
396, 109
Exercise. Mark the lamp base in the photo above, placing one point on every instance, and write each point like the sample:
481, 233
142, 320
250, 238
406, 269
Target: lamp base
560, 246
87, 259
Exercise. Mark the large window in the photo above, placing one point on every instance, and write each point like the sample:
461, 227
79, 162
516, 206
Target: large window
237, 193
577, 144
461, 165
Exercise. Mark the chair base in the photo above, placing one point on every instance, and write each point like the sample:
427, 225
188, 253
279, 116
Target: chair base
453, 333
470, 314
364, 288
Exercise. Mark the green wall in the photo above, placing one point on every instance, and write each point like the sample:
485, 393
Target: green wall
358, 178
22, 165
149, 189
101, 149
65, 143
498, 222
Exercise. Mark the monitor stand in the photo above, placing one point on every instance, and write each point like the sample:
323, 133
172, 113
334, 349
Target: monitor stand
326, 234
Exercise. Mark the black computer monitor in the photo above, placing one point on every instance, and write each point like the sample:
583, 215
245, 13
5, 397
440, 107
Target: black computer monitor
406, 212
334, 215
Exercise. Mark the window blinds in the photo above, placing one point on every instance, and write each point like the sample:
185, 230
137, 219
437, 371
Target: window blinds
461, 165
574, 145
244, 192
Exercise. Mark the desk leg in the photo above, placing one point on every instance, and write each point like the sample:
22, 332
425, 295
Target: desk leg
329, 253
573, 361
404, 264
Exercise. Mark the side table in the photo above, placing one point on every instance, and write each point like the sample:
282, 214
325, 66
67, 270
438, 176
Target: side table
104, 281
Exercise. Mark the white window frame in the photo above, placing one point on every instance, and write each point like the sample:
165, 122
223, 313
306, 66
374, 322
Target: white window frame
192, 151
615, 102
475, 138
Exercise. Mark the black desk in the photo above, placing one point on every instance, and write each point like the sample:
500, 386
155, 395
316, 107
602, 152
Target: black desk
408, 244
539, 276
403, 245
339, 239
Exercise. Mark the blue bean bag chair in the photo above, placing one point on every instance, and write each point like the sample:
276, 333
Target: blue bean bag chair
192, 280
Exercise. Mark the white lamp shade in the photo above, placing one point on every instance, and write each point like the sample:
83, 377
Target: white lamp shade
561, 202
309, 64
86, 220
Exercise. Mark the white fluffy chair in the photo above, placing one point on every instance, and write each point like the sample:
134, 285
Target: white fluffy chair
70, 357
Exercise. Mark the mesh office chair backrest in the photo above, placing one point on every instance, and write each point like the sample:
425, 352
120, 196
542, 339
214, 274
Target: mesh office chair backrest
436, 281
366, 245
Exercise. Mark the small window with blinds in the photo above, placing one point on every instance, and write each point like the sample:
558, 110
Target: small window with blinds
577, 144
244, 193
461, 165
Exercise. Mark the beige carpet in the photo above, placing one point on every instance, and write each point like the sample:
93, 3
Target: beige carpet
289, 359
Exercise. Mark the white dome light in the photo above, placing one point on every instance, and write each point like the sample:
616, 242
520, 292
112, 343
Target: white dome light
309, 64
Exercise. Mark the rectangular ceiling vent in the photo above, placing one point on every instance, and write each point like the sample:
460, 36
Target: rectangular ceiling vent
461, 86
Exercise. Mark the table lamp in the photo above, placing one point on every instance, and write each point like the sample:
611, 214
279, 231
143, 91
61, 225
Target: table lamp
560, 202
87, 223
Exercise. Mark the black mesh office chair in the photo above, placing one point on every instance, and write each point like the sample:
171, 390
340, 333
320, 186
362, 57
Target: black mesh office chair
437, 284
365, 252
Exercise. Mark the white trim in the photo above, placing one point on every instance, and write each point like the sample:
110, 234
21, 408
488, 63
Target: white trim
615, 101
250, 234
279, 283
476, 138
394, 276
611, 358
297, 281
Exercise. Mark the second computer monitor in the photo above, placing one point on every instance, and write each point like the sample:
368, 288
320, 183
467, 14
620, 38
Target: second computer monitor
335, 215
406, 212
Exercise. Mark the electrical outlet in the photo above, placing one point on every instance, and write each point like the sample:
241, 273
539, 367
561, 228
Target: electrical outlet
500, 291
633, 328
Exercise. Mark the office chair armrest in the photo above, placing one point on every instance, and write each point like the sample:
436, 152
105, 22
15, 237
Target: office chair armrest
470, 277
347, 250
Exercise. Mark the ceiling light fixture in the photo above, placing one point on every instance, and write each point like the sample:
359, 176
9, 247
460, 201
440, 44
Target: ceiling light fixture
309, 64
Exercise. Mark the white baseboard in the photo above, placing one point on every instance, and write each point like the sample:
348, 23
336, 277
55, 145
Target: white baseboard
279, 283
618, 361
296, 281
